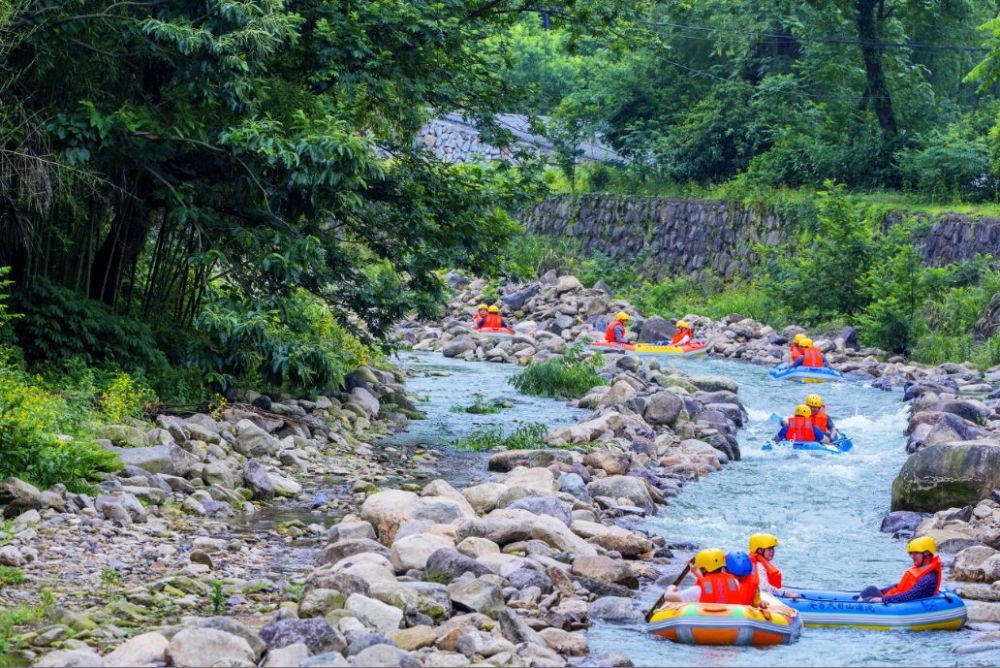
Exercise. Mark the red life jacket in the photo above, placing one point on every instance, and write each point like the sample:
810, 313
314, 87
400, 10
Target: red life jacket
493, 320
800, 429
820, 419
720, 587
679, 336
773, 573
796, 351
609, 333
912, 575
749, 586
812, 357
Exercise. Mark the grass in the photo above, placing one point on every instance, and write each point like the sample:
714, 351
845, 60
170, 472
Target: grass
11, 576
526, 437
567, 377
480, 406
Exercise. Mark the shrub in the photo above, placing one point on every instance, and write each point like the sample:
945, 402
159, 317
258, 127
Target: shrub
950, 165
41, 439
526, 437
480, 406
564, 377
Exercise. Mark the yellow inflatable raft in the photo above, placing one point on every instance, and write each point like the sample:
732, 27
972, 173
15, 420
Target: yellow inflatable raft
719, 624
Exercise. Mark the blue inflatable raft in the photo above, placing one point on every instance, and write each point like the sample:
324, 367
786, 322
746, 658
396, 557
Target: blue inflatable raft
945, 611
804, 374
839, 446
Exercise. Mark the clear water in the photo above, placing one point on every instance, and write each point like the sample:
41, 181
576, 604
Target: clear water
825, 510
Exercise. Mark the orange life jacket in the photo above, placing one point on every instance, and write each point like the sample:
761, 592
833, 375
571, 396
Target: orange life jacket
912, 575
609, 333
800, 429
679, 336
720, 587
493, 320
820, 419
812, 357
773, 573
749, 586
797, 351
479, 320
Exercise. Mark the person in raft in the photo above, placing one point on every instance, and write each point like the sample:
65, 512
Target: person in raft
921, 581
683, 334
741, 567
812, 357
820, 419
615, 333
493, 319
796, 348
769, 576
479, 320
713, 583
800, 428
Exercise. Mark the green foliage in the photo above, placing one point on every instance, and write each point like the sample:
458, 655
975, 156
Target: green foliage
6, 317
480, 406
292, 343
218, 599
951, 167
525, 437
10, 619
11, 576
566, 377
110, 581
59, 323
41, 437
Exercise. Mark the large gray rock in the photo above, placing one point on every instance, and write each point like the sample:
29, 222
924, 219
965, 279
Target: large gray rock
209, 647
412, 552
387, 510
656, 329
334, 552
632, 489
714, 383
545, 505
902, 521
142, 650
481, 595
458, 346
170, 459
383, 655
613, 609
448, 564
366, 400
283, 657
606, 569
316, 633
71, 658
977, 564
947, 475
252, 441
380, 616
516, 300
663, 408
19, 496
257, 481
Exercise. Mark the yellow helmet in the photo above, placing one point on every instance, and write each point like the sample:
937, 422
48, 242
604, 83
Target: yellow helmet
798, 338
922, 544
806, 342
494, 309
683, 323
803, 411
482, 307
710, 560
762, 541
622, 315
814, 401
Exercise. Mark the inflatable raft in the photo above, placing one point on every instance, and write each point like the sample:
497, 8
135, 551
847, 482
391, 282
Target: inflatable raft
689, 350
495, 331
719, 624
839, 446
804, 374
945, 611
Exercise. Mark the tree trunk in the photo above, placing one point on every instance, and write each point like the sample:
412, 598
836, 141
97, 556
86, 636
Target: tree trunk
129, 227
876, 95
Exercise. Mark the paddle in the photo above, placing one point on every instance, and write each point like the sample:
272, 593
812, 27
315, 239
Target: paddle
777, 419
687, 569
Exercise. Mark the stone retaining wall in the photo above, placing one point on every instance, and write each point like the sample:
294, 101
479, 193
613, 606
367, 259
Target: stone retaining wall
682, 236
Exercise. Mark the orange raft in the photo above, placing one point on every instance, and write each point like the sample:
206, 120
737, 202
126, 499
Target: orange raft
720, 624
495, 331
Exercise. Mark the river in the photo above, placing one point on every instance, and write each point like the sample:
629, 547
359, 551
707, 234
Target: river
826, 510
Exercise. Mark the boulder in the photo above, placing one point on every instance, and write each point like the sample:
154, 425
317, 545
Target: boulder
209, 647
384, 655
413, 551
483, 498
170, 459
284, 657
257, 481
512, 459
619, 393
380, 616
568, 284
663, 408
611, 462
545, 505
501, 526
947, 475
315, 633
605, 569
334, 552
902, 521
387, 510
480, 595
516, 629
630, 488
252, 441
714, 383
565, 643
447, 564
849, 337
458, 346
610, 537
141, 650
73, 658
366, 400
977, 564
656, 329
516, 300
614, 609
557, 534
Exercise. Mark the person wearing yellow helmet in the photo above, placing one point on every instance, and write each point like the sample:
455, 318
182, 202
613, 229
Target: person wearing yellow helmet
812, 357
796, 347
493, 319
479, 320
714, 583
820, 419
615, 333
923, 580
683, 333
762, 554
800, 428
